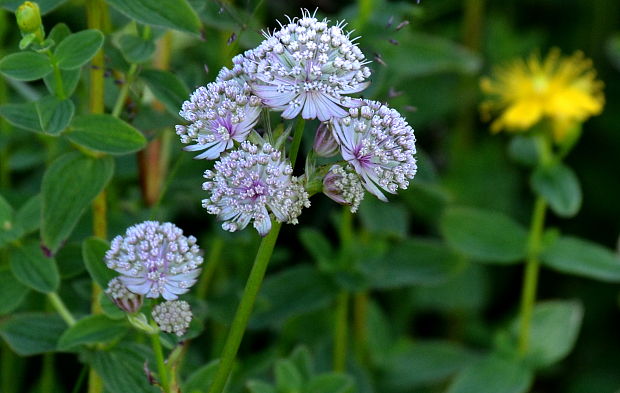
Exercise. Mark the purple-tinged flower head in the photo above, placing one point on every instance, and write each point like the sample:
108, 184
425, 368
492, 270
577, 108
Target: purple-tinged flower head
219, 114
248, 183
155, 259
379, 143
237, 72
173, 317
307, 67
343, 186
123, 297
325, 145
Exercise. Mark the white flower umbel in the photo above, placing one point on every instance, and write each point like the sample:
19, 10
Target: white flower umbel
307, 67
155, 259
219, 114
379, 143
122, 297
343, 186
172, 317
248, 183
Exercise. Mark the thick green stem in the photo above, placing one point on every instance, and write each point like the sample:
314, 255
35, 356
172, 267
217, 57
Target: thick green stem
242, 316
530, 282
245, 309
340, 331
162, 369
60, 307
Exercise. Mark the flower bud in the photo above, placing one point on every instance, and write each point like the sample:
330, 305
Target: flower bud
28, 17
343, 186
173, 316
122, 297
325, 144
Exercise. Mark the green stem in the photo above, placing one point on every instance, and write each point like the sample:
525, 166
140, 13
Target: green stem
212, 261
60, 307
162, 369
80, 380
242, 316
340, 332
530, 282
122, 95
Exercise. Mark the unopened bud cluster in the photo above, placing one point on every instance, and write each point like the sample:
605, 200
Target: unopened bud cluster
173, 316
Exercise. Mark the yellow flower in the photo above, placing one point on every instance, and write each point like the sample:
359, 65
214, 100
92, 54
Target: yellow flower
561, 90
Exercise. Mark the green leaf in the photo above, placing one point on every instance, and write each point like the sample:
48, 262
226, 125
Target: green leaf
385, 219
34, 269
582, 258
167, 88
311, 291
174, 14
523, 150
484, 236
303, 361
32, 333
59, 32
122, 369
28, 217
201, 378
432, 361
493, 375
77, 49
69, 186
255, 386
12, 292
317, 245
93, 252
25, 66
105, 133
136, 49
70, 79
412, 262
330, 383
288, 378
553, 331
559, 186
93, 329
48, 115
45, 5
9, 230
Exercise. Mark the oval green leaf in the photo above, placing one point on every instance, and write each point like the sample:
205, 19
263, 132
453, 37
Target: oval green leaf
582, 258
93, 253
93, 329
49, 115
25, 66
559, 186
136, 49
105, 133
12, 292
77, 49
175, 14
69, 186
493, 375
34, 269
167, 88
122, 369
32, 333
484, 236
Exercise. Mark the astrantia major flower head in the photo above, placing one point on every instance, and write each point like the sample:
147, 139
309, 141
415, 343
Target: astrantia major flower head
380, 145
173, 317
248, 183
562, 90
343, 186
155, 259
307, 67
123, 297
219, 114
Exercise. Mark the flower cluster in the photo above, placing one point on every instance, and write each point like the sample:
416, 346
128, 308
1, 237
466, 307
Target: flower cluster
307, 68
220, 113
123, 298
155, 259
172, 316
250, 182
379, 144
563, 90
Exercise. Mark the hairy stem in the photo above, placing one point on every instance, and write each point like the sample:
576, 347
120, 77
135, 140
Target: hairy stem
532, 266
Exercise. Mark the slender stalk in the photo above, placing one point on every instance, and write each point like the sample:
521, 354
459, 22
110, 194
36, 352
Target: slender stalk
360, 316
212, 262
242, 316
48, 378
532, 266
96, 16
60, 307
80, 380
340, 332
162, 369
122, 95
